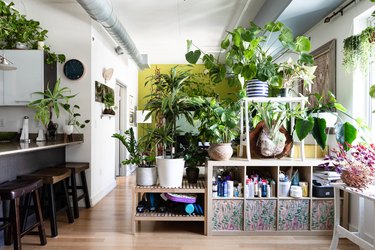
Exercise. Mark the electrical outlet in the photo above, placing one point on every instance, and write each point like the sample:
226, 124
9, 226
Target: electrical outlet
1, 122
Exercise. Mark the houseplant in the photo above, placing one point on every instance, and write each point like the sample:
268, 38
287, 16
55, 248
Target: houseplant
109, 104
73, 119
358, 49
315, 122
249, 54
219, 126
50, 102
167, 102
140, 155
357, 167
17, 30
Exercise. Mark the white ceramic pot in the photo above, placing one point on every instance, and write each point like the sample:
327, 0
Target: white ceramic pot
330, 117
170, 172
146, 176
220, 151
68, 129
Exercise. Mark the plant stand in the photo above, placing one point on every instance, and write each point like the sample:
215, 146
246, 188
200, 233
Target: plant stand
138, 191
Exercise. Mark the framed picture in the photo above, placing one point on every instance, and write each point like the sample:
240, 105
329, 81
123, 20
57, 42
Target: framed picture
101, 90
325, 73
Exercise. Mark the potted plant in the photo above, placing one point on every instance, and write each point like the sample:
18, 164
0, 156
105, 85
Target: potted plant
194, 156
73, 119
168, 102
315, 121
19, 32
270, 138
248, 55
358, 49
109, 104
140, 155
219, 126
51, 101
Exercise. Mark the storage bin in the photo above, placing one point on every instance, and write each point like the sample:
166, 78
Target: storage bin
284, 188
322, 191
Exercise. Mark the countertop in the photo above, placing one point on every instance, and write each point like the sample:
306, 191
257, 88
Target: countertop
16, 147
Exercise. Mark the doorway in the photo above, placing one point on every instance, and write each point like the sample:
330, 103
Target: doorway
121, 126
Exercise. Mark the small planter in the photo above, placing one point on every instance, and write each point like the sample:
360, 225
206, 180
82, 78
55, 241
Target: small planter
109, 112
68, 129
192, 174
256, 88
146, 176
220, 151
170, 172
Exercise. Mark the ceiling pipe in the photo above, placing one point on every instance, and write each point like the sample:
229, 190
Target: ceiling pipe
102, 12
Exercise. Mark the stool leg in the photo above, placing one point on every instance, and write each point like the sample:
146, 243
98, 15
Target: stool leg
67, 202
85, 189
39, 218
16, 223
7, 230
52, 210
27, 204
74, 194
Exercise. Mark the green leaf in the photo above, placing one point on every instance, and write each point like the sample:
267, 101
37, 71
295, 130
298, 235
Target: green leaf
276, 81
193, 56
372, 89
339, 107
286, 36
306, 59
304, 127
237, 68
189, 43
209, 61
237, 38
319, 132
302, 44
345, 133
249, 71
225, 43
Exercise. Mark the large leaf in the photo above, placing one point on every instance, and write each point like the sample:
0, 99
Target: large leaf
302, 44
345, 133
193, 56
319, 132
304, 127
225, 43
372, 89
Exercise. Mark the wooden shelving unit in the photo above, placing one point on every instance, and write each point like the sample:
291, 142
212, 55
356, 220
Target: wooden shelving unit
268, 216
138, 191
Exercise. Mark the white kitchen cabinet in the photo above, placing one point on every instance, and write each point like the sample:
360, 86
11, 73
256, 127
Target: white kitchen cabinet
17, 86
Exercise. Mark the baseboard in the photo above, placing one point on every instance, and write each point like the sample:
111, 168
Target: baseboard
100, 195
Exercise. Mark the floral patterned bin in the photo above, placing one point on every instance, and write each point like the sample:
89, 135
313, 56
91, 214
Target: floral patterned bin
260, 215
227, 215
294, 214
323, 214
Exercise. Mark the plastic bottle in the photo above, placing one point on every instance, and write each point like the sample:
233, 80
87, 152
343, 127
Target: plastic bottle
230, 189
239, 189
251, 189
264, 188
268, 191
247, 188
219, 186
225, 188
273, 189
256, 187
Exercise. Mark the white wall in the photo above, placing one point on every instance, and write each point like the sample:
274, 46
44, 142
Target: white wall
72, 33
350, 90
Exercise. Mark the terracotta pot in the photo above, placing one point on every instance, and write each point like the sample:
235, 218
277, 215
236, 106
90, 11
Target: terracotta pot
220, 151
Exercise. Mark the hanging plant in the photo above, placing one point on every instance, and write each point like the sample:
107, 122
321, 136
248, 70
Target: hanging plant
357, 50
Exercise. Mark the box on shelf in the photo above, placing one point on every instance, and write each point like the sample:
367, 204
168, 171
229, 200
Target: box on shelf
322, 191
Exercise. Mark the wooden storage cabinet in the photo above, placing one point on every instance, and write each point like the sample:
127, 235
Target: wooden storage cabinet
138, 191
273, 215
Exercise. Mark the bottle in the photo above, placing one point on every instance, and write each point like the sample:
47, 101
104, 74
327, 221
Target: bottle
251, 189
247, 188
268, 191
230, 189
225, 188
219, 187
239, 189
256, 187
273, 189
264, 188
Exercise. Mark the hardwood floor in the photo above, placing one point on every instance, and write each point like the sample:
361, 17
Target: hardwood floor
108, 226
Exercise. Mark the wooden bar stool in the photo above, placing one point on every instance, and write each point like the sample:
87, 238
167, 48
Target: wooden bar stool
78, 168
12, 191
50, 177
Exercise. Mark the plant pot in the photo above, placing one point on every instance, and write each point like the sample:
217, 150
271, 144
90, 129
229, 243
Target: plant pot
146, 176
220, 151
41, 135
170, 172
68, 129
109, 112
256, 88
52, 131
192, 175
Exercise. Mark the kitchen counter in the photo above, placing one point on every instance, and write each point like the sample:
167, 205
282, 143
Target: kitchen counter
8, 148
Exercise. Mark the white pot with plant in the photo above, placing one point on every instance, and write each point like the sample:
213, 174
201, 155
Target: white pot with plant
141, 155
73, 119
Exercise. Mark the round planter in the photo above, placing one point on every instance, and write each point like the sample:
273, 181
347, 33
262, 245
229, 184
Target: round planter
330, 117
146, 176
192, 175
68, 129
170, 172
256, 88
220, 151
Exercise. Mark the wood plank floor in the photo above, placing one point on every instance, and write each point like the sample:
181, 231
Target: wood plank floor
107, 226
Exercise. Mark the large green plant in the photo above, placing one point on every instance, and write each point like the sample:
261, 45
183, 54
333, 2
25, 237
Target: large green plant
167, 102
219, 120
15, 28
248, 53
140, 155
50, 101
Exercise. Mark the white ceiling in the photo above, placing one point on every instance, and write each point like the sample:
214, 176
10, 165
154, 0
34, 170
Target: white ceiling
160, 28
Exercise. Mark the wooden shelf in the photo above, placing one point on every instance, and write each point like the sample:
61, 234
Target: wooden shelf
156, 216
200, 187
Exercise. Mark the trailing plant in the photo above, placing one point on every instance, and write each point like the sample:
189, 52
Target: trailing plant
249, 53
73, 118
358, 49
16, 28
139, 155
